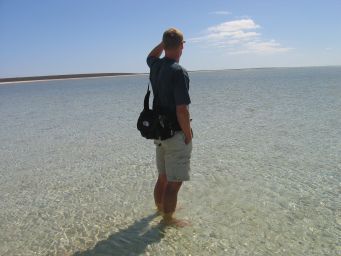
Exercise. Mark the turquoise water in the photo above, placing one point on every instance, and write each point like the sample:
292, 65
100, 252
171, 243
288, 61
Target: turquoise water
76, 177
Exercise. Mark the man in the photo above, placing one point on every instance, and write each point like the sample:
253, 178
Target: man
171, 83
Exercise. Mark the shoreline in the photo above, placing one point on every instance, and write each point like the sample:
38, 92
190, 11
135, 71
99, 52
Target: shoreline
26, 79
61, 77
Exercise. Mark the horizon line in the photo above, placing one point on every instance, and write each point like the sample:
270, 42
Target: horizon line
96, 75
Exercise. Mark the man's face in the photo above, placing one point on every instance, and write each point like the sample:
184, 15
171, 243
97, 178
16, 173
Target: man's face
181, 47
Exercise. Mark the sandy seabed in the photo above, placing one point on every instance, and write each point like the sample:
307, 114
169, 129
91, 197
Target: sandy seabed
77, 179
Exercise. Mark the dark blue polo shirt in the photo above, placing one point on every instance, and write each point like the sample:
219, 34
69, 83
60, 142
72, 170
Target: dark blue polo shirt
170, 81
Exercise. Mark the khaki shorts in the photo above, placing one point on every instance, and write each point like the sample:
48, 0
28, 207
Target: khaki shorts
173, 157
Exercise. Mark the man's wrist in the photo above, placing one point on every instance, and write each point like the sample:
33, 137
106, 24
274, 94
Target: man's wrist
188, 133
188, 137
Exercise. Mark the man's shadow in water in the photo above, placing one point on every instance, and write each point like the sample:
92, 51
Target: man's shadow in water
130, 241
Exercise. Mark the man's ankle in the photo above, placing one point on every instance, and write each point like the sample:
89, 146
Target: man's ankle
159, 208
167, 217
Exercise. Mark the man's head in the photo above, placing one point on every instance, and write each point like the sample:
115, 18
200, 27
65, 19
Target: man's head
173, 41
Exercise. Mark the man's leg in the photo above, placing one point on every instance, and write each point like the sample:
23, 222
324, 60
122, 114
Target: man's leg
159, 191
170, 199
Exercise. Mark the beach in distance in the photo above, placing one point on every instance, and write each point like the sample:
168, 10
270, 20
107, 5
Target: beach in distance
76, 177
94, 75
58, 77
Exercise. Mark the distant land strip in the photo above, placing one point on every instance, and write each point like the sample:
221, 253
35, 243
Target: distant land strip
37, 78
90, 75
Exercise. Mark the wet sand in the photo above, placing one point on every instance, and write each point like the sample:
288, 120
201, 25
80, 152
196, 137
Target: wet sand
60, 77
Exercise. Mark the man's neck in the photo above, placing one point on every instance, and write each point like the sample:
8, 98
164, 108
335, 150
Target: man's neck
172, 56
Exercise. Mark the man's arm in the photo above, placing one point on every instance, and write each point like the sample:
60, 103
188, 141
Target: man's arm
157, 51
183, 117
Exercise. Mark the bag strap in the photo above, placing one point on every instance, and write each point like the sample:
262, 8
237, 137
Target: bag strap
156, 99
146, 99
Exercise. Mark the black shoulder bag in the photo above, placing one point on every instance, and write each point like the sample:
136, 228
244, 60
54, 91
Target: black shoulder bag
151, 123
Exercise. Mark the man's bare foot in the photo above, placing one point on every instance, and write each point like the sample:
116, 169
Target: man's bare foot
176, 223
169, 220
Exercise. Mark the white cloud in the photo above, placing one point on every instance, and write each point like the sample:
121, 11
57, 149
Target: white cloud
221, 13
235, 25
266, 47
242, 35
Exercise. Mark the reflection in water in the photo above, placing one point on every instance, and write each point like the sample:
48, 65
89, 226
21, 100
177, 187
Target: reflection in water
130, 241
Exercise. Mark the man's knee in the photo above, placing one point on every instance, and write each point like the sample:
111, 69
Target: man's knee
173, 186
162, 178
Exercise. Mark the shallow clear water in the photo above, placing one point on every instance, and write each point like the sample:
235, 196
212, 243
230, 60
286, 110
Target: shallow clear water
75, 176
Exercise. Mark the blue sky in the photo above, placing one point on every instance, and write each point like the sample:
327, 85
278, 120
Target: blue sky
44, 37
